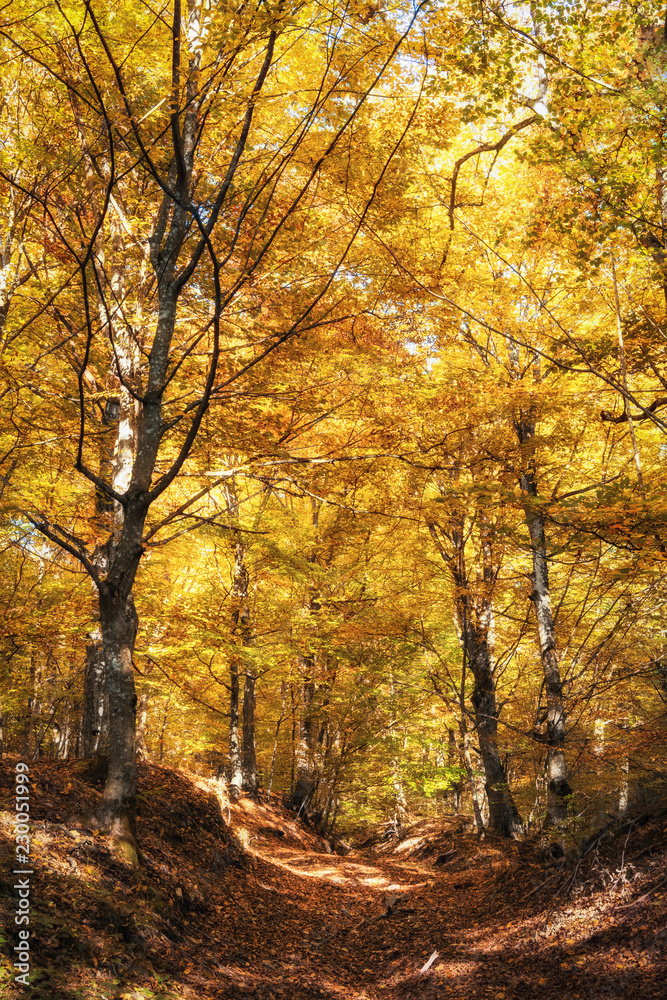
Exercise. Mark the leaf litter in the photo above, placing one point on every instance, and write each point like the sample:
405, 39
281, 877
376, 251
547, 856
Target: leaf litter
242, 900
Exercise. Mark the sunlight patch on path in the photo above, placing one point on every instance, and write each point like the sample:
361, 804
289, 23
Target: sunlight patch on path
346, 873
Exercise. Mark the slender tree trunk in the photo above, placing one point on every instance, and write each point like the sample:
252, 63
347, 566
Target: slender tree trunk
236, 776
305, 782
250, 781
295, 707
32, 738
503, 815
281, 719
476, 794
241, 638
474, 613
538, 812
454, 758
624, 789
142, 716
332, 825
305, 779
329, 819
400, 802
558, 788
95, 715
163, 727
598, 749
62, 750
94, 732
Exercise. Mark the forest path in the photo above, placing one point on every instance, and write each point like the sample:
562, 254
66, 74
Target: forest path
283, 920
363, 927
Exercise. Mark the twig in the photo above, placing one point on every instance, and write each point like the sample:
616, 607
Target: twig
428, 965
620, 872
627, 906
538, 887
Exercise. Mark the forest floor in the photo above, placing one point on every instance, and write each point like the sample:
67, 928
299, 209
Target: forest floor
269, 915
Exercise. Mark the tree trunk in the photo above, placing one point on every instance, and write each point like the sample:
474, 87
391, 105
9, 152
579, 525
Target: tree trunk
304, 785
116, 809
333, 798
94, 732
624, 789
64, 732
241, 637
454, 759
95, 715
400, 802
474, 614
503, 814
476, 794
163, 727
236, 776
558, 789
250, 780
142, 716
304, 782
281, 719
32, 737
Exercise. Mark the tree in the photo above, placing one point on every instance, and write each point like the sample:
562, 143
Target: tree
184, 195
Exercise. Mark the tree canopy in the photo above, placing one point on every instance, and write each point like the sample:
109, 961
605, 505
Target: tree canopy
332, 435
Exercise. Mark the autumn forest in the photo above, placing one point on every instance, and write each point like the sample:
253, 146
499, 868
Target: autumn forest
332, 413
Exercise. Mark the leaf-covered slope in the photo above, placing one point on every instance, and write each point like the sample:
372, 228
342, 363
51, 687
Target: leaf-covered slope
205, 917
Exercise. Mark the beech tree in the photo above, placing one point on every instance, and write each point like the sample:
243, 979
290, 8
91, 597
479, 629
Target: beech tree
378, 313
177, 208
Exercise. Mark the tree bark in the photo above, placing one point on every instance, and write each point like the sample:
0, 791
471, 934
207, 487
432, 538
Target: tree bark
142, 717
95, 714
241, 637
250, 780
64, 731
34, 712
503, 815
281, 719
476, 794
236, 769
558, 788
304, 785
400, 802
304, 782
474, 612
116, 809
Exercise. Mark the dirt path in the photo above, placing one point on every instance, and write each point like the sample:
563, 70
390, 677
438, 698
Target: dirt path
356, 917
364, 927
201, 920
